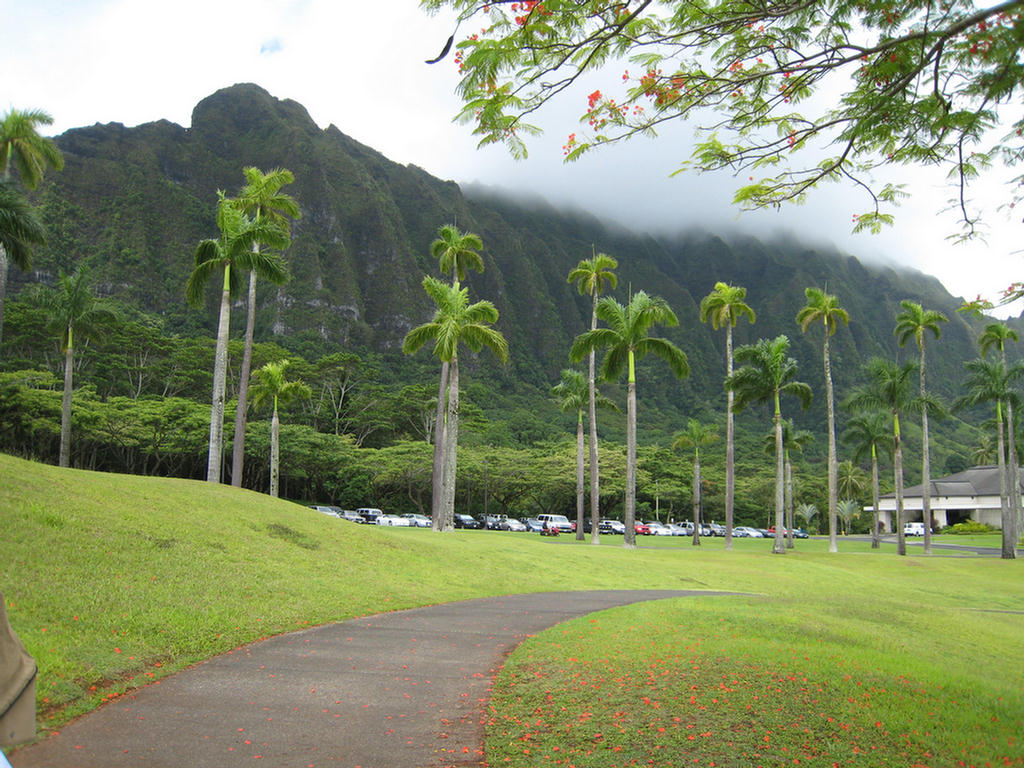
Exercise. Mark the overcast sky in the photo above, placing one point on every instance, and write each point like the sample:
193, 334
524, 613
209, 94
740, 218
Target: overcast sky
360, 66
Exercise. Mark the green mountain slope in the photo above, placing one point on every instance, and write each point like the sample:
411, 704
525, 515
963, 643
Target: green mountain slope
133, 203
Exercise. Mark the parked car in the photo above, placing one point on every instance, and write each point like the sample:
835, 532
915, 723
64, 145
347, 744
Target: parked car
491, 522
417, 520
913, 529
611, 526
511, 524
677, 529
745, 531
392, 520
559, 522
352, 516
717, 529
642, 529
465, 521
658, 528
323, 510
369, 514
533, 525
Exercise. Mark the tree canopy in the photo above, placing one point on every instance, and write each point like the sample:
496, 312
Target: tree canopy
858, 84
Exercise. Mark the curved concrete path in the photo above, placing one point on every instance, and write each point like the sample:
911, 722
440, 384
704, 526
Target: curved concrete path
397, 690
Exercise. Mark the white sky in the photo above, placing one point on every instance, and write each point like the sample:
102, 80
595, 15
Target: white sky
360, 65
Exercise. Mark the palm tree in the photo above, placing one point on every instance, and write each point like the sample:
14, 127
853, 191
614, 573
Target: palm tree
995, 336
793, 439
807, 512
591, 276
846, 509
22, 147
992, 382
455, 321
850, 480
238, 233
20, 229
571, 394
912, 323
261, 199
767, 374
824, 308
868, 435
694, 436
74, 314
889, 388
455, 252
985, 451
271, 386
724, 307
627, 342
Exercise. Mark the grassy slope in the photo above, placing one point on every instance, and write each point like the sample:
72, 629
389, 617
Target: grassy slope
111, 580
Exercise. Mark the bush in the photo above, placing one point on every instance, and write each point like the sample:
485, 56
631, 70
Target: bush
969, 527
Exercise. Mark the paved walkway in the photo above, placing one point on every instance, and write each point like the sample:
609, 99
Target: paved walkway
398, 690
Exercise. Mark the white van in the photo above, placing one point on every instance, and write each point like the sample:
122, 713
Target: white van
558, 522
913, 529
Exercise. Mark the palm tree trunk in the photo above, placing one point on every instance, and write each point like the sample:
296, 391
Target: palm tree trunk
730, 440
595, 474
926, 468
897, 462
1007, 513
1014, 468
220, 367
789, 502
629, 539
275, 451
580, 480
242, 411
875, 537
4, 266
451, 445
696, 497
437, 475
779, 547
833, 496
65, 405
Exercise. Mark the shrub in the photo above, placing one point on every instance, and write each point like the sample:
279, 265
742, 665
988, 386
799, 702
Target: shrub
969, 527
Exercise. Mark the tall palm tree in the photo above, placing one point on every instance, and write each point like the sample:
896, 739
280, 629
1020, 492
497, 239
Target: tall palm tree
271, 386
995, 336
455, 321
23, 148
724, 307
455, 252
992, 382
868, 434
793, 439
694, 436
888, 387
261, 199
238, 233
75, 315
627, 341
571, 394
824, 308
913, 323
591, 276
769, 372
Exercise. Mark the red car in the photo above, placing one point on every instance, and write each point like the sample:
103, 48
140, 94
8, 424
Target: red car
642, 529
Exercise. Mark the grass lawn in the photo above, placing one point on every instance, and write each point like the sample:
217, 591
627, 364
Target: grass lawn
112, 581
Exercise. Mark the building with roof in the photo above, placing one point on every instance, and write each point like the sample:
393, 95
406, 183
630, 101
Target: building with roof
969, 495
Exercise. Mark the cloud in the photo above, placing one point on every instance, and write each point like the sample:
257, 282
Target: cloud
271, 46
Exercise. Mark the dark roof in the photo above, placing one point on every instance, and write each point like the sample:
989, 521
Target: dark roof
976, 481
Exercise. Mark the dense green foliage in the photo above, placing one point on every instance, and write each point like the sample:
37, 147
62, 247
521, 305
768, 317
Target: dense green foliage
132, 203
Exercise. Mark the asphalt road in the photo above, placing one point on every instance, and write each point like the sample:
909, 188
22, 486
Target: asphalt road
397, 690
